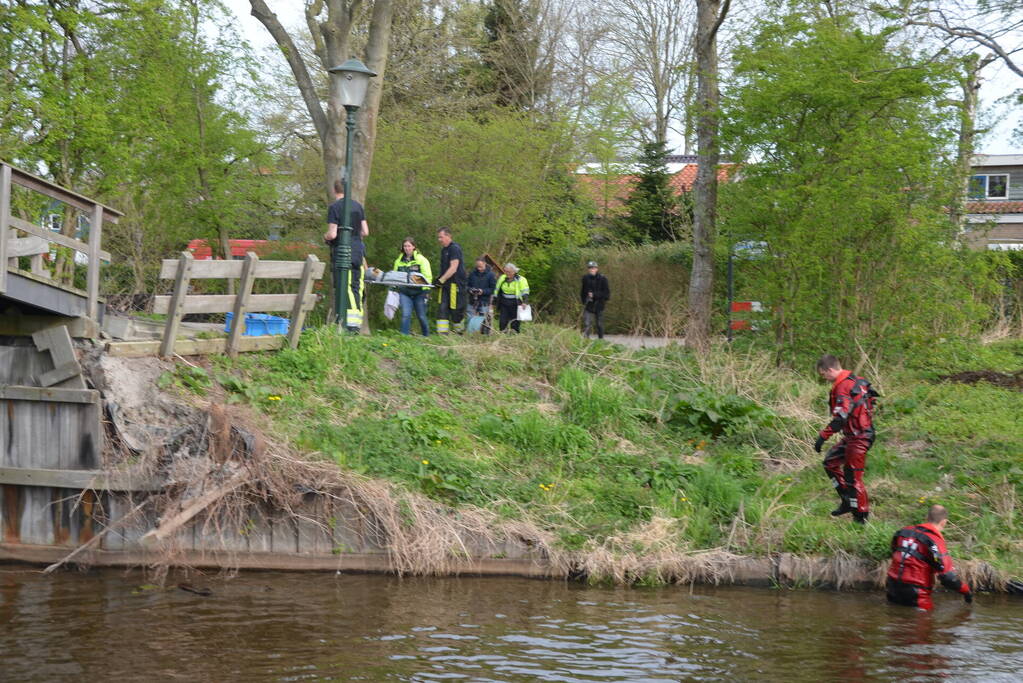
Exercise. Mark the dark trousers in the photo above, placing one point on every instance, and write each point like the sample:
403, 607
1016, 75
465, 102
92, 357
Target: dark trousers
845, 464
509, 311
899, 593
452, 307
591, 318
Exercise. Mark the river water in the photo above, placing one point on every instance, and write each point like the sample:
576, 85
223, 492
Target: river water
111, 625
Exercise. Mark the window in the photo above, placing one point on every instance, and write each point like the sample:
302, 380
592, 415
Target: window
990, 186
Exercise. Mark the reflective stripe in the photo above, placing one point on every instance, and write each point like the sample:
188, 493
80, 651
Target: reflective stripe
442, 326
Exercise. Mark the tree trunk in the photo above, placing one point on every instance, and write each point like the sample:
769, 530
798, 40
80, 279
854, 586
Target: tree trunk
377, 48
969, 81
709, 15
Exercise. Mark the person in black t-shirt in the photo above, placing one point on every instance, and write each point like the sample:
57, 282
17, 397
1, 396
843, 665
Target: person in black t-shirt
451, 281
360, 229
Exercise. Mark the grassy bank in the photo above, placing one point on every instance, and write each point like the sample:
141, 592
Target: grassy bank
633, 453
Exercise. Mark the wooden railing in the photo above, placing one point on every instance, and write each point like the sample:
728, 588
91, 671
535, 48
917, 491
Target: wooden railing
39, 239
186, 269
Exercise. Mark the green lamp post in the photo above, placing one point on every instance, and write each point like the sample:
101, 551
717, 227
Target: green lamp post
354, 81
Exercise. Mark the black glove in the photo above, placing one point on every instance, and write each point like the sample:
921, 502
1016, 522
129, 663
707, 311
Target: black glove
818, 444
437, 282
968, 597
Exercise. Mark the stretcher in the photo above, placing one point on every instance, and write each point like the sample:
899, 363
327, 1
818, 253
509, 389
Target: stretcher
395, 278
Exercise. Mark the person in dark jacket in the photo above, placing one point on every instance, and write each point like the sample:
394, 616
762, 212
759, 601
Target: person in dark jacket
481, 285
918, 554
595, 293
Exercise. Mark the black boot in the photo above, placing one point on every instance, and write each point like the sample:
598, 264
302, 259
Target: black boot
842, 509
860, 517
845, 506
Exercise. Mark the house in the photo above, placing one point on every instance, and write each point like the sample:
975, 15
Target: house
994, 205
610, 186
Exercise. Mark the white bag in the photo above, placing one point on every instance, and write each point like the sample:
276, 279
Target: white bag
525, 314
391, 304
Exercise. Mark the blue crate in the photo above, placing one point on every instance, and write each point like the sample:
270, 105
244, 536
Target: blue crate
260, 324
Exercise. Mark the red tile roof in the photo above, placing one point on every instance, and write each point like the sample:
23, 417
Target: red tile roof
617, 188
996, 206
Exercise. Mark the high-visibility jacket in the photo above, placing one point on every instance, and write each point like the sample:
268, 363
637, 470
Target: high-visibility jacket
514, 289
417, 264
851, 403
918, 554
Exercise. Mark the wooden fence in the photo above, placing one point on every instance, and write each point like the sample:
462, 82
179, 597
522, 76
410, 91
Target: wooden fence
247, 271
36, 240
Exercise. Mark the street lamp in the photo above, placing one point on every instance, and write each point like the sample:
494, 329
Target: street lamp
354, 81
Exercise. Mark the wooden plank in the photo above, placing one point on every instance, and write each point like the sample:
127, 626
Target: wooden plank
94, 480
175, 307
195, 347
305, 289
217, 269
36, 515
223, 303
92, 274
12, 392
37, 267
5, 221
241, 302
31, 182
194, 506
55, 237
26, 325
57, 340
26, 246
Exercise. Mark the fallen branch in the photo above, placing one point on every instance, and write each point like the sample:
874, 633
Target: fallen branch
194, 507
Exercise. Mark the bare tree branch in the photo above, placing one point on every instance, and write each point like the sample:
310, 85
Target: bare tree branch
298, 67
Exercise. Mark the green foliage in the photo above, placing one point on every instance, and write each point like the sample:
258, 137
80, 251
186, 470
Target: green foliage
706, 412
654, 213
190, 377
848, 190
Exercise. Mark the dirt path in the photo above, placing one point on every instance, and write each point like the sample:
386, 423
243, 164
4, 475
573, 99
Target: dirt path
633, 342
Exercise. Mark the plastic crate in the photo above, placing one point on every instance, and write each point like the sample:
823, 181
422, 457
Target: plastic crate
260, 324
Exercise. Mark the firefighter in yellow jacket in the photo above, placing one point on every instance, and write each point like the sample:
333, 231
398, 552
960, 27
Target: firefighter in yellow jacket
511, 292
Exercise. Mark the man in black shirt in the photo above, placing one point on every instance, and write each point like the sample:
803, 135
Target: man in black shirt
335, 218
451, 282
595, 292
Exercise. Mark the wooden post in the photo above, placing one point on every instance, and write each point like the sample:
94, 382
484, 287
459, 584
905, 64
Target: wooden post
92, 274
305, 287
5, 215
177, 303
241, 303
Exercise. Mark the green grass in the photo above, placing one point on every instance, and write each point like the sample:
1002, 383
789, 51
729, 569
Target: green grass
592, 441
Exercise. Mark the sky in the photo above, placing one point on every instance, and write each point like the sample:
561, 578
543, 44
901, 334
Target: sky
999, 81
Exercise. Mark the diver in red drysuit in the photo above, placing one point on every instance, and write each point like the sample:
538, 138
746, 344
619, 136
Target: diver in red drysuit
918, 553
851, 404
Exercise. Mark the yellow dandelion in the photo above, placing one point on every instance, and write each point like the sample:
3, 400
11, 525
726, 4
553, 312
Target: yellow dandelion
273, 398
426, 462
385, 344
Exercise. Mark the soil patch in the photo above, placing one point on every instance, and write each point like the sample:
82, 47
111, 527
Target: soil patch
1012, 381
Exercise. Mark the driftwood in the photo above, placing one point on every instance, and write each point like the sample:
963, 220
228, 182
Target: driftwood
191, 509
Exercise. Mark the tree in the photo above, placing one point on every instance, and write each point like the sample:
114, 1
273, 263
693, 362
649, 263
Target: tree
130, 102
709, 16
332, 28
655, 39
654, 212
850, 151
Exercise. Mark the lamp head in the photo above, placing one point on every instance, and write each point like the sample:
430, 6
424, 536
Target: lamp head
354, 82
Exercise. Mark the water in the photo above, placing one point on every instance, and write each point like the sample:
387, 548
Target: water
294, 627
